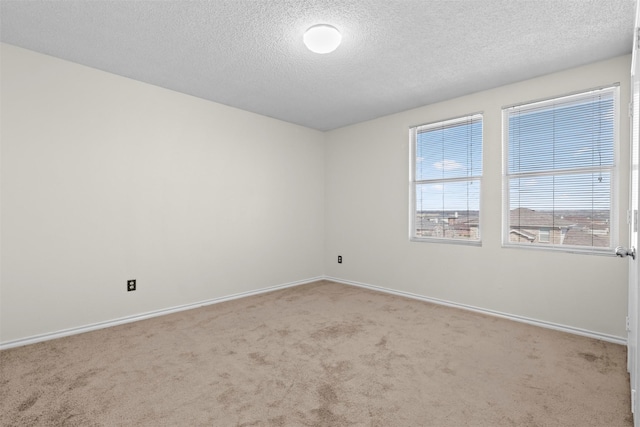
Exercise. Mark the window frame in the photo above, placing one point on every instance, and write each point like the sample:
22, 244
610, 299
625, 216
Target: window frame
614, 185
413, 183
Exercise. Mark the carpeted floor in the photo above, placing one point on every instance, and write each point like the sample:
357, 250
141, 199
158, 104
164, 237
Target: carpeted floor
322, 354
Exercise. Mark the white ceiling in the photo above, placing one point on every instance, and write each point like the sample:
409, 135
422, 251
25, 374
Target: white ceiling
395, 55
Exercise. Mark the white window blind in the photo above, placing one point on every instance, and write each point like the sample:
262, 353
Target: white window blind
560, 171
445, 183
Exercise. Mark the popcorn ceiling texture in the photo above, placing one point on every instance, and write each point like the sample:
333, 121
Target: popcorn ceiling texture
395, 55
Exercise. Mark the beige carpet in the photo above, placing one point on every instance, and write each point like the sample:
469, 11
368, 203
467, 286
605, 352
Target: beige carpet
323, 354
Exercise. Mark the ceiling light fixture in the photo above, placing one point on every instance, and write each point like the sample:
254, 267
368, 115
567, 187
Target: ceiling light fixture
322, 38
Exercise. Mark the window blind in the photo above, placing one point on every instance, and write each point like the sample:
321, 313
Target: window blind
446, 179
560, 166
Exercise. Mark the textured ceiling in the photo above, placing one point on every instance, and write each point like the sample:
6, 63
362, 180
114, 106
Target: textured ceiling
395, 54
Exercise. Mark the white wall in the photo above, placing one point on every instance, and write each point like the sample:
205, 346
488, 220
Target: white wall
106, 179
367, 198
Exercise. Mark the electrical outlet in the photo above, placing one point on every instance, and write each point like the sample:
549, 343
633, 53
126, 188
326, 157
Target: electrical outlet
131, 285
339, 259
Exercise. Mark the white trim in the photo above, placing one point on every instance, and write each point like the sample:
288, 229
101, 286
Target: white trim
452, 121
134, 318
548, 100
540, 323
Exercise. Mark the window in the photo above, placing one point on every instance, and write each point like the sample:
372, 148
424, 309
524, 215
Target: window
544, 235
446, 160
559, 173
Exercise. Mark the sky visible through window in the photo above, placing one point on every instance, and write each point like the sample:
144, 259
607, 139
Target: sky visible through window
563, 140
560, 164
446, 153
576, 143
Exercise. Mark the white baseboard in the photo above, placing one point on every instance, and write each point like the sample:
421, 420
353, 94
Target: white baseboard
128, 319
134, 318
541, 323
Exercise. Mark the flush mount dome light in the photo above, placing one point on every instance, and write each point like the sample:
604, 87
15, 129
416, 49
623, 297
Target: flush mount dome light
322, 38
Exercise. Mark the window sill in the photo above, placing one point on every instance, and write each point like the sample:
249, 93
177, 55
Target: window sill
446, 241
571, 250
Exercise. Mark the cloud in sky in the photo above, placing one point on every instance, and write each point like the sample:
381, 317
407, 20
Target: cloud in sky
447, 165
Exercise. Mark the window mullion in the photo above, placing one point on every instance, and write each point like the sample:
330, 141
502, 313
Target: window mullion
571, 171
